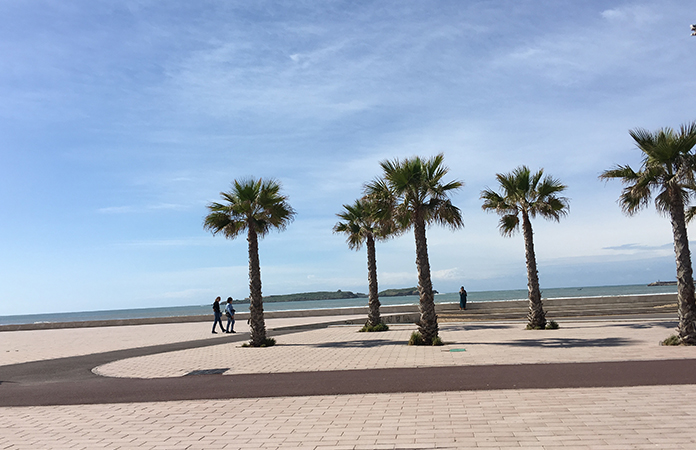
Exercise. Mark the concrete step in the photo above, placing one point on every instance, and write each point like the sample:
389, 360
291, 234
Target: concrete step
570, 307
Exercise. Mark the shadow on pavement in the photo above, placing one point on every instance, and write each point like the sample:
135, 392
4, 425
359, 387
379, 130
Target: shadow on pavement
468, 327
358, 344
569, 342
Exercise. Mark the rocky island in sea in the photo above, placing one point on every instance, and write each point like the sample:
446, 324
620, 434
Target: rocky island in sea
663, 283
329, 295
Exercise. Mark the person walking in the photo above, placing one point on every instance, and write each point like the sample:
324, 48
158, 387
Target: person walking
462, 298
218, 315
229, 312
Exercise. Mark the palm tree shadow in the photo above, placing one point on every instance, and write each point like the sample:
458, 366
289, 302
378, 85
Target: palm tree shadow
469, 327
571, 342
358, 344
645, 325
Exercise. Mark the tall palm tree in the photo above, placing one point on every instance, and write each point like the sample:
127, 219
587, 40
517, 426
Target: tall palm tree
364, 222
419, 197
667, 170
255, 206
527, 195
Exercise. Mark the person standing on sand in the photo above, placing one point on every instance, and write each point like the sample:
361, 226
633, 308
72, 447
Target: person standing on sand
218, 315
229, 312
462, 298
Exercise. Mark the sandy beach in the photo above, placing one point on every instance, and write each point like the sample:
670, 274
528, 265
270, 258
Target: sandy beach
609, 417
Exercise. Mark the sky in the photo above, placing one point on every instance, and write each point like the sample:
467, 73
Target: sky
121, 120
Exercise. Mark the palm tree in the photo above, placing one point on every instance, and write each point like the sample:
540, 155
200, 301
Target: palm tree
527, 195
667, 170
255, 206
415, 189
365, 222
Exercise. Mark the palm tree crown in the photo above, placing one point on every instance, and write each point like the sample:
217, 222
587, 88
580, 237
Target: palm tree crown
361, 220
418, 192
667, 166
255, 206
527, 193
250, 203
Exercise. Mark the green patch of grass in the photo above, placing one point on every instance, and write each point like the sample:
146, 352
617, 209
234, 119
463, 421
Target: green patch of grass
417, 339
268, 342
672, 340
374, 328
552, 325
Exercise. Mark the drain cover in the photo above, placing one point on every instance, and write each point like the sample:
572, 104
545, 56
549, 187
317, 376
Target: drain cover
208, 372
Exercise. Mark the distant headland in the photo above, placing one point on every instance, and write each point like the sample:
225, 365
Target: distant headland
329, 295
663, 283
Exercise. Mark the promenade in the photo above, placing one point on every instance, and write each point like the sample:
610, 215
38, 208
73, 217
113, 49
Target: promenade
593, 384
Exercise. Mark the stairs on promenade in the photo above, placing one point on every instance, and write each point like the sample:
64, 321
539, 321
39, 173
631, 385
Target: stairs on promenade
563, 308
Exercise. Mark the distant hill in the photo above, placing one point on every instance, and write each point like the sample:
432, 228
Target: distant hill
308, 296
327, 295
401, 292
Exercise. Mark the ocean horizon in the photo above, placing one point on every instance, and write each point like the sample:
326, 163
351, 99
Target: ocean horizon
450, 297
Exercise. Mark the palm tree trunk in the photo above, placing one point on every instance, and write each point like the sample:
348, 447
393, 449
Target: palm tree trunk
258, 325
536, 317
373, 318
427, 325
685, 278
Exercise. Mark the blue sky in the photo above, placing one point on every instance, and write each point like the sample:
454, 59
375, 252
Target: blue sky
120, 121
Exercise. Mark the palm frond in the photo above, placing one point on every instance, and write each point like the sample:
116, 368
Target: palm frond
690, 214
509, 224
625, 173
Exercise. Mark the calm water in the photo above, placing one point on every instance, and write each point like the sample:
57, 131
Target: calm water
483, 296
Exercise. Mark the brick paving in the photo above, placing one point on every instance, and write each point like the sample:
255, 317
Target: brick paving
343, 348
602, 418
639, 417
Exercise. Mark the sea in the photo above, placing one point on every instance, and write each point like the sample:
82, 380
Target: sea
452, 297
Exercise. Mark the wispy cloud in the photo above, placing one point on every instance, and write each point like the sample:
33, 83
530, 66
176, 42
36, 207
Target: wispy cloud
117, 210
447, 274
205, 240
142, 209
616, 41
633, 247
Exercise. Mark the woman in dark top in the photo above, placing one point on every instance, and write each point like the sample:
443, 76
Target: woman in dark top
462, 298
218, 315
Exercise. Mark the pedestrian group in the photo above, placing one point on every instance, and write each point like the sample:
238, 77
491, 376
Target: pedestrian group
229, 312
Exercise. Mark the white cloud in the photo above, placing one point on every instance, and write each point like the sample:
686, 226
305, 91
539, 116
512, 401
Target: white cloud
116, 210
633, 15
447, 274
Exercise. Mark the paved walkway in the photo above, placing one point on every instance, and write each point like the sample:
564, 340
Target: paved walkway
343, 348
639, 416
